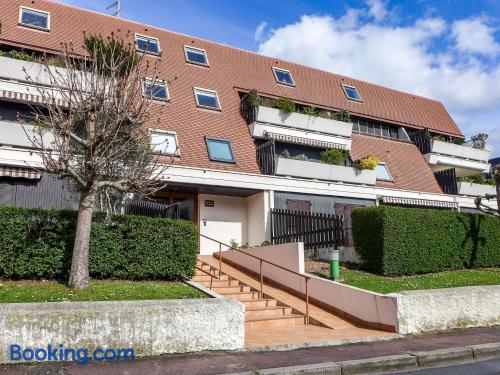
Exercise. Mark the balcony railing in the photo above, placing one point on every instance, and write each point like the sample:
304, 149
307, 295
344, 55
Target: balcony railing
272, 164
471, 189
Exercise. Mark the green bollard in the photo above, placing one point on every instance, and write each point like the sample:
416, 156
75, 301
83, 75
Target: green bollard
334, 264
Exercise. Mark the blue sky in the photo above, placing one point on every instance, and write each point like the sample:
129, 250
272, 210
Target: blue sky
448, 50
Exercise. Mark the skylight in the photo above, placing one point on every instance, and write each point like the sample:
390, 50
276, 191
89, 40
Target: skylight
206, 98
352, 93
196, 55
147, 44
383, 172
33, 18
219, 150
283, 76
156, 90
164, 143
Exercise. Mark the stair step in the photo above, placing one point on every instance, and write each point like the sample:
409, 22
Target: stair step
264, 322
240, 296
205, 277
229, 289
259, 302
220, 283
256, 312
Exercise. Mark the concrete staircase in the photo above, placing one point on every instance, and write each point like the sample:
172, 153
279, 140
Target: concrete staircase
261, 311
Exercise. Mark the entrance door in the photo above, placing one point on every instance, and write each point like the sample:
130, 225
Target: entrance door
346, 210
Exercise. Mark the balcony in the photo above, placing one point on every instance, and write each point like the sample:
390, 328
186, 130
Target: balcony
272, 164
16, 135
466, 160
471, 189
301, 128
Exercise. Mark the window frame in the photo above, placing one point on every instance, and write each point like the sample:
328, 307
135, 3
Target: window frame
217, 139
156, 81
275, 68
391, 179
21, 23
344, 86
186, 48
168, 132
142, 36
198, 89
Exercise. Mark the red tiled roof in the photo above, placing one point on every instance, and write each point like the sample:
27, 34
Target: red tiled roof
406, 164
230, 70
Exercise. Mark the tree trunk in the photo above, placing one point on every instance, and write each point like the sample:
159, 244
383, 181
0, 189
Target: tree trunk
79, 274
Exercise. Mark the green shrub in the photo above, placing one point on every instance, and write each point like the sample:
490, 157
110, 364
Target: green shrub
310, 111
21, 55
407, 241
39, 244
333, 156
284, 104
251, 100
342, 115
478, 179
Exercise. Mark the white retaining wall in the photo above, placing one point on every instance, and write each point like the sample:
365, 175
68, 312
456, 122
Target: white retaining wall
149, 327
443, 309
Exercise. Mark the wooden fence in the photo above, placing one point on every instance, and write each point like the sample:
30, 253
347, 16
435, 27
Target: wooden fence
316, 230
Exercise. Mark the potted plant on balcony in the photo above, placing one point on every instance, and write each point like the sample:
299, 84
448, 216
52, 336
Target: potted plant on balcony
368, 162
250, 104
334, 156
285, 105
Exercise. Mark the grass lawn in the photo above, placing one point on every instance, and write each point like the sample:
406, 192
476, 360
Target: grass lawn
99, 290
384, 285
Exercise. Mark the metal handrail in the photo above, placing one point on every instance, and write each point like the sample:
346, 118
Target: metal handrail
261, 292
209, 274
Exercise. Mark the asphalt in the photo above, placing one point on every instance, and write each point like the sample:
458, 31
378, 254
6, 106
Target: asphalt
233, 362
490, 367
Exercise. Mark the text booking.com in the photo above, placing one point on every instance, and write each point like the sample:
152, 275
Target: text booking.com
78, 355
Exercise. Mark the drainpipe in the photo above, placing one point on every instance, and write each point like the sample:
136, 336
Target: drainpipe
334, 256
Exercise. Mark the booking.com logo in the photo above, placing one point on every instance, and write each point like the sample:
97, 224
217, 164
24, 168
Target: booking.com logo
60, 353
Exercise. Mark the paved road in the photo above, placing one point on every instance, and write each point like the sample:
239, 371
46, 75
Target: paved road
226, 363
491, 367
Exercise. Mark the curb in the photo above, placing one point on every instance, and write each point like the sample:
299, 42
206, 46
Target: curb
409, 361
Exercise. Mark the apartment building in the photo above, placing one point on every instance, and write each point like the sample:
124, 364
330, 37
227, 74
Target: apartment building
234, 165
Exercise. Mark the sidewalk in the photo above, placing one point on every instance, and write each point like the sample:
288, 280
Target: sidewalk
225, 363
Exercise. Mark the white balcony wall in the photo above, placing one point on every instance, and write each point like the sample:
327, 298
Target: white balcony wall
323, 171
468, 188
459, 151
15, 134
303, 122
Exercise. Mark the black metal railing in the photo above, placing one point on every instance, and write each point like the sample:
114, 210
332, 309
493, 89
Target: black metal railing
447, 179
154, 209
266, 158
423, 140
316, 230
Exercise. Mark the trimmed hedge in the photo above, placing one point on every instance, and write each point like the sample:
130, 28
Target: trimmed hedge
406, 241
39, 243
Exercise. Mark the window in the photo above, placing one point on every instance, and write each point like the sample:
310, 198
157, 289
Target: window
206, 99
36, 19
283, 76
383, 172
147, 44
164, 143
219, 150
352, 93
196, 55
156, 90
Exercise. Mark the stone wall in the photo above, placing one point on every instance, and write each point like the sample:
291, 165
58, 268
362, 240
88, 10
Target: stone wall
148, 327
443, 309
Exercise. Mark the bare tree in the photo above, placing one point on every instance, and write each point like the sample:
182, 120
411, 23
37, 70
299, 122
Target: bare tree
99, 115
495, 172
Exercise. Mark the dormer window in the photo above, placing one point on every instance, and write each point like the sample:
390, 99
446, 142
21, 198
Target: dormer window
196, 56
147, 44
352, 93
283, 76
156, 90
35, 19
383, 172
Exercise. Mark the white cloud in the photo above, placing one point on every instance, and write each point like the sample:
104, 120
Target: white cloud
259, 31
401, 57
377, 9
474, 35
